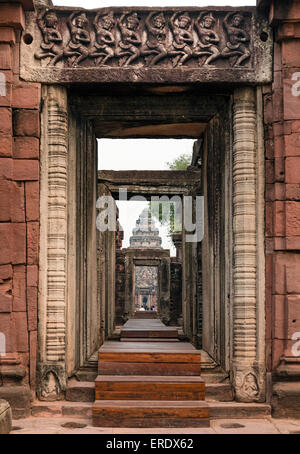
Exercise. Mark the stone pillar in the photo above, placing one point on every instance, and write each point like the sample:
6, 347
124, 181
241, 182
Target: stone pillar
53, 244
248, 366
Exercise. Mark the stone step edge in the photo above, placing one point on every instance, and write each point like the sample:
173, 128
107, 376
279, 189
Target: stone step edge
218, 410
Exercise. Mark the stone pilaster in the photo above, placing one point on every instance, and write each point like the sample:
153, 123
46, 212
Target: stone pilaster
53, 245
248, 368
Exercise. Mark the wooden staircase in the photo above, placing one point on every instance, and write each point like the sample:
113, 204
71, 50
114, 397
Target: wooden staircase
153, 384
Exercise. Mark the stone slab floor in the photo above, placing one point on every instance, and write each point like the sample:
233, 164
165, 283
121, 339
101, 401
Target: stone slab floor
35, 425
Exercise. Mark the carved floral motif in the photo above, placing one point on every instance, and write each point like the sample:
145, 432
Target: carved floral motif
133, 38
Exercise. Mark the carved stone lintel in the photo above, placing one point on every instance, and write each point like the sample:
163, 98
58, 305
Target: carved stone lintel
196, 40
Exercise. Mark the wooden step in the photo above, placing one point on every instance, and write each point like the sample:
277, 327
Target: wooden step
149, 363
145, 413
145, 314
150, 339
149, 388
147, 328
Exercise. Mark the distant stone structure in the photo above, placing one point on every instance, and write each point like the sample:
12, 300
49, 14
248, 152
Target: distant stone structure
145, 234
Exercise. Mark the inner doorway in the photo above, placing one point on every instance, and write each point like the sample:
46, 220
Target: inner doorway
146, 288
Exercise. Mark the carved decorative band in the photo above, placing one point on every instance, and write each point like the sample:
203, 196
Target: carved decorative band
141, 38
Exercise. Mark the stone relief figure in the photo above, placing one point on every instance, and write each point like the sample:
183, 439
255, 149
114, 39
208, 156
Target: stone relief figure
129, 46
156, 43
250, 386
52, 39
208, 38
237, 38
51, 388
77, 48
182, 29
103, 49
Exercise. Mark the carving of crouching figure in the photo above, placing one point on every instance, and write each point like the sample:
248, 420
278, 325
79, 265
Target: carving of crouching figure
237, 38
50, 47
80, 39
182, 26
156, 40
129, 45
105, 40
208, 38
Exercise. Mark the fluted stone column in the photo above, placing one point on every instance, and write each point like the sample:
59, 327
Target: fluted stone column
53, 244
248, 363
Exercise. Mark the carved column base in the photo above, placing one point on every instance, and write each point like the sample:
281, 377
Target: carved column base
51, 382
249, 382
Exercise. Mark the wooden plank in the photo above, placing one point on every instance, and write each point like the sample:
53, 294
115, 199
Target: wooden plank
147, 357
140, 368
150, 413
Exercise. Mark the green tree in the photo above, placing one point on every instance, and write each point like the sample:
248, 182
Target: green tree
166, 217
181, 162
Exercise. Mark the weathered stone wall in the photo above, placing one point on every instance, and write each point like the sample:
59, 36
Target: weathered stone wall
19, 214
282, 144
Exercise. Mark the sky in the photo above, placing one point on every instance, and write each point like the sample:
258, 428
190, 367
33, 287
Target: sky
143, 154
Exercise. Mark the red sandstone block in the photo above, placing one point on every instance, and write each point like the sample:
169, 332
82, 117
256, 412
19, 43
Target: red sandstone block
25, 169
279, 316
6, 244
268, 108
269, 146
32, 308
6, 168
12, 15
292, 243
32, 358
32, 275
292, 218
292, 279
294, 126
277, 80
20, 319
26, 96
279, 218
5, 146
5, 56
17, 207
269, 218
32, 243
19, 288
279, 191
291, 100
5, 121
277, 351
270, 192
278, 146
32, 200
270, 177
292, 191
5, 199
5, 299
26, 123
279, 169
292, 169
6, 272
7, 35
292, 144
277, 56
26, 148
293, 314
19, 243
277, 103
290, 53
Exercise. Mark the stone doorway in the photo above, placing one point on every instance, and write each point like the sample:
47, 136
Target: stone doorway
223, 280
